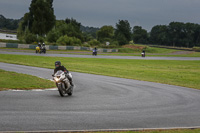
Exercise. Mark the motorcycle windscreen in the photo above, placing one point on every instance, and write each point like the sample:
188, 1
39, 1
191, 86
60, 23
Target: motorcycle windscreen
59, 72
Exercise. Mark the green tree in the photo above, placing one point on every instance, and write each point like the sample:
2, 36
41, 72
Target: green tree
197, 35
41, 16
40, 19
140, 35
158, 35
176, 34
66, 40
29, 37
123, 32
73, 28
74, 23
105, 32
53, 35
8, 24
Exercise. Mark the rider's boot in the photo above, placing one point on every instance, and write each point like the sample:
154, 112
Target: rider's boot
70, 80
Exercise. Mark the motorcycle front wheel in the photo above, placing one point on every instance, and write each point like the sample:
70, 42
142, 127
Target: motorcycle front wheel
61, 89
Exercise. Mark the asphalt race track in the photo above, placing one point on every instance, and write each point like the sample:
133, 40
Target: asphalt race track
103, 56
98, 102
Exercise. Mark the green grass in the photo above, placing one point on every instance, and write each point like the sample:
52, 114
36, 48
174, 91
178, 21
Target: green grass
181, 73
12, 80
148, 50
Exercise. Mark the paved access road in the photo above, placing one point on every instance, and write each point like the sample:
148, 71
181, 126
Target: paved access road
98, 102
103, 56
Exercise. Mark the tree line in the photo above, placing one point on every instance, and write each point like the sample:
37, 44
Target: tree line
8, 24
176, 34
40, 25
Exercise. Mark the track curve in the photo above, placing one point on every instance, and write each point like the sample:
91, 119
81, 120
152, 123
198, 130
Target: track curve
99, 102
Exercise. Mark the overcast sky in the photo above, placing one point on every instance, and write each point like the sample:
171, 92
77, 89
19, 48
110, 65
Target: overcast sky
97, 13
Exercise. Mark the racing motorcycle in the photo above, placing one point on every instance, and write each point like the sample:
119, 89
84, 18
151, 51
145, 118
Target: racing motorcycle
40, 50
37, 50
143, 54
63, 84
94, 52
43, 49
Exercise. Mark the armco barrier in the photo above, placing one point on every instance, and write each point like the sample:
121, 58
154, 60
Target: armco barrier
70, 48
32, 46
2, 45
23, 46
52, 47
11, 45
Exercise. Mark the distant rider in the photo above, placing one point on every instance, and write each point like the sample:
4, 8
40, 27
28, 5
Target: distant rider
59, 67
143, 52
39, 45
95, 51
43, 44
43, 47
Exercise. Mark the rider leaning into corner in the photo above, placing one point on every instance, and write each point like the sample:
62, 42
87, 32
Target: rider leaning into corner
59, 67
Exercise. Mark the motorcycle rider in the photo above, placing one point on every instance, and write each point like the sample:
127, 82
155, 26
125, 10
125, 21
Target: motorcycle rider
43, 48
59, 67
143, 53
95, 51
39, 45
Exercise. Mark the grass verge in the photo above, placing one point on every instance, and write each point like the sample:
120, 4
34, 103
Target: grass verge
180, 73
12, 80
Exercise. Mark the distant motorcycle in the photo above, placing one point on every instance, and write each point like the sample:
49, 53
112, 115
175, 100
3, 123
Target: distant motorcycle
143, 53
63, 84
43, 49
37, 50
40, 50
94, 52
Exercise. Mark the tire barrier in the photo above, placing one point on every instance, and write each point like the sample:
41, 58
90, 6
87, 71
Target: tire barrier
52, 47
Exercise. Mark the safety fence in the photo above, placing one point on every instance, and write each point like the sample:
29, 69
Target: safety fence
52, 47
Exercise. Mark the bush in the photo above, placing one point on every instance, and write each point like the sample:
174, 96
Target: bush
53, 36
10, 41
196, 49
30, 38
94, 42
41, 39
86, 45
128, 50
71, 41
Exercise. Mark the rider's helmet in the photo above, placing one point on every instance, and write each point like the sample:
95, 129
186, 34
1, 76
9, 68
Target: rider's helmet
43, 44
57, 64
